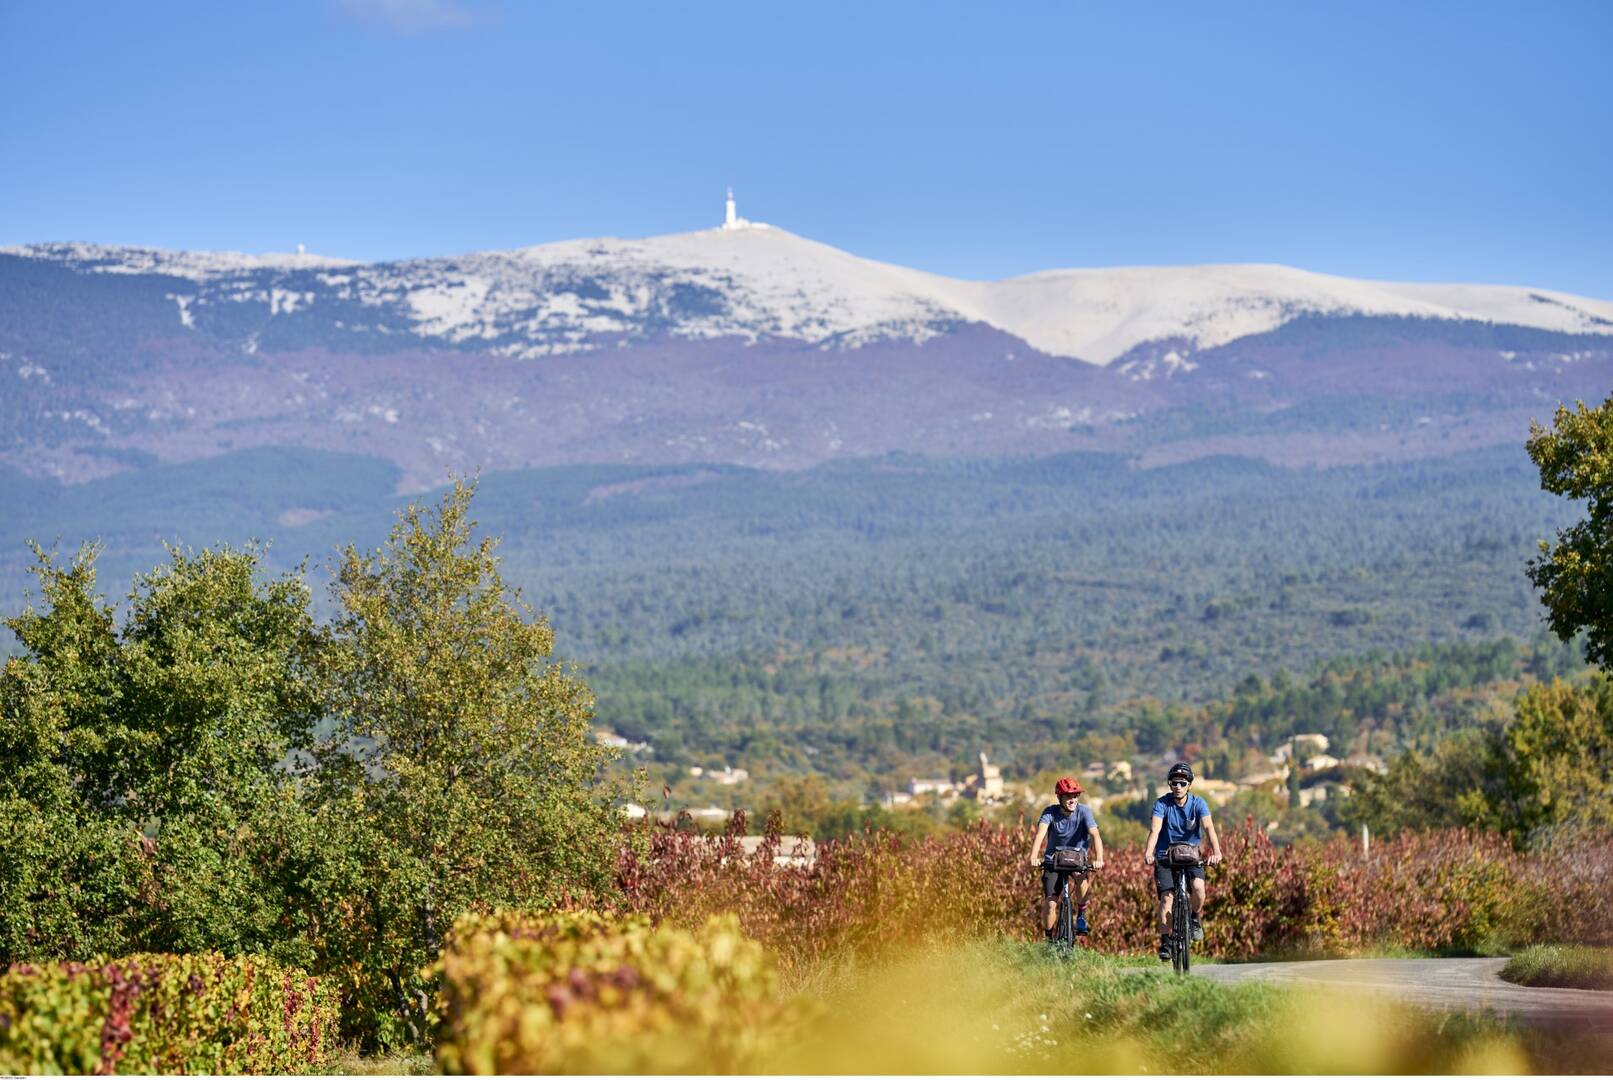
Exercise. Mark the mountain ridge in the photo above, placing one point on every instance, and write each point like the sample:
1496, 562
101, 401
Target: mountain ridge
761, 282
754, 347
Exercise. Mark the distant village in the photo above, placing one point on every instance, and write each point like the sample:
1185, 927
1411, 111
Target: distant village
1118, 780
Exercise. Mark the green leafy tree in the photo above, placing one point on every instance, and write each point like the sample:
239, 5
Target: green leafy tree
461, 772
1442, 788
1535, 777
219, 686
1556, 758
1575, 574
150, 759
70, 877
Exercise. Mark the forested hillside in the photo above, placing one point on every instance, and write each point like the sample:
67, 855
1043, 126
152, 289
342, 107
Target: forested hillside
875, 619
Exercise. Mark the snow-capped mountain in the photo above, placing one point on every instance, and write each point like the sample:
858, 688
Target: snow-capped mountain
766, 283
754, 346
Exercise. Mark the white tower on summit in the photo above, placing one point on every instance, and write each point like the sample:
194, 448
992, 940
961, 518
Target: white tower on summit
732, 222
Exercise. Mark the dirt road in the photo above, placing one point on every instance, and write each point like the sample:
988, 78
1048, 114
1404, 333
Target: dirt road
1459, 984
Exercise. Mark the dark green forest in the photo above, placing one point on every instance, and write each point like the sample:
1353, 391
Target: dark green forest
874, 619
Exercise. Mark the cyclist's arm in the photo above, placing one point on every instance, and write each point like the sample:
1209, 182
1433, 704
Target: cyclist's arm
1097, 849
1153, 839
1038, 844
1215, 839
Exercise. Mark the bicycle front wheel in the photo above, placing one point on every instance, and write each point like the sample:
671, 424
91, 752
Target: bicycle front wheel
1066, 917
1182, 923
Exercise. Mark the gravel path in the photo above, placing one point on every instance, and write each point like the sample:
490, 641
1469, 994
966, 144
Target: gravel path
1456, 984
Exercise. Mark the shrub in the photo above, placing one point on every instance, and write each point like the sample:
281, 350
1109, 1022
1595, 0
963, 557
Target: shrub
1561, 965
583, 992
866, 895
158, 1013
1455, 890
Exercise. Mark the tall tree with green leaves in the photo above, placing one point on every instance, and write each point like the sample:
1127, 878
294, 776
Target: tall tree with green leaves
1575, 574
1535, 775
148, 803
462, 772
70, 877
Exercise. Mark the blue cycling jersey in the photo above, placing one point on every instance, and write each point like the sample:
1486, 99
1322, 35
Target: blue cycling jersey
1180, 823
1073, 830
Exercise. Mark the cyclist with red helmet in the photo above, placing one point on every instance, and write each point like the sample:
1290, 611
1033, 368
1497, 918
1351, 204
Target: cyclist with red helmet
1067, 824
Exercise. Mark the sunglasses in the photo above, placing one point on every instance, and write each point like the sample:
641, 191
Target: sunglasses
1180, 783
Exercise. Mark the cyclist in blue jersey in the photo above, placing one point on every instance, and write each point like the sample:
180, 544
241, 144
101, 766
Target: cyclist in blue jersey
1178, 818
1067, 824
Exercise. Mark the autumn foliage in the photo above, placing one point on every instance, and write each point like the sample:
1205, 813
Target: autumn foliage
158, 1013
583, 992
877, 894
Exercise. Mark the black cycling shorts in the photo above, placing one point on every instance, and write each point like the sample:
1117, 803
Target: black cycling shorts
1162, 876
1053, 883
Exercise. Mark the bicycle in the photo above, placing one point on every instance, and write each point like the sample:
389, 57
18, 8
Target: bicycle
1180, 939
1064, 934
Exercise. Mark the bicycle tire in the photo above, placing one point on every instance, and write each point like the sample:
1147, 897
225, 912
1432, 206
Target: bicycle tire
1181, 925
1187, 942
1176, 922
1066, 932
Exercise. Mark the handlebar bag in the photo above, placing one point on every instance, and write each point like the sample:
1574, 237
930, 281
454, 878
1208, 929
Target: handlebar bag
1182, 855
1069, 859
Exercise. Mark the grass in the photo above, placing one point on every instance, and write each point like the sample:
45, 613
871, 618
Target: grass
1576, 966
396, 1063
1010, 1008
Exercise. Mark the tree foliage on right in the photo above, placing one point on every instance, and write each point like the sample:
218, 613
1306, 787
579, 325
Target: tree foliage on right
1532, 772
1575, 574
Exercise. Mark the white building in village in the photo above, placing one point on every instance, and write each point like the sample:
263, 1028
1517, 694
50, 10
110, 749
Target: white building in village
1292, 748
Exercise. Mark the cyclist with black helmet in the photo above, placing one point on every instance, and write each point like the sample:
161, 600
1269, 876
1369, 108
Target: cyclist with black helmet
1066, 825
1179, 816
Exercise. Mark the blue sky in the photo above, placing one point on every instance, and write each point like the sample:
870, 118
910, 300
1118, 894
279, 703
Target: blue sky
1445, 141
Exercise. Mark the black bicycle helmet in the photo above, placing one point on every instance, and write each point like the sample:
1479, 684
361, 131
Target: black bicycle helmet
1182, 769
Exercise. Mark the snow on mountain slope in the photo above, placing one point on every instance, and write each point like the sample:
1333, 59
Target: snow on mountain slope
1099, 315
195, 265
746, 283
761, 282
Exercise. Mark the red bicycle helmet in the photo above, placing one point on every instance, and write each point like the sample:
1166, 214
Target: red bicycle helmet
1066, 786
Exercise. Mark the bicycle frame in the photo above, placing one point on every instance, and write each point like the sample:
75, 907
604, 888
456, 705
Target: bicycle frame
1064, 928
1181, 938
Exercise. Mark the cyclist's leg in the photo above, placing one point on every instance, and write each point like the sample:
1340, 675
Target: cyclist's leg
1085, 883
1163, 885
1198, 904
